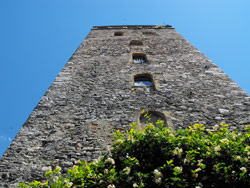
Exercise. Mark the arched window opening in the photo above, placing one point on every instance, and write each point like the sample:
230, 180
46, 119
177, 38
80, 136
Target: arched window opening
139, 58
118, 33
135, 43
153, 117
143, 80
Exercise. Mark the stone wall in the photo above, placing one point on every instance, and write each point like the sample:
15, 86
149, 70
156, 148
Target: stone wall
94, 95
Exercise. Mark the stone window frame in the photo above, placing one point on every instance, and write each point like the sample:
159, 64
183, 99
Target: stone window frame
146, 74
139, 54
136, 43
118, 33
166, 115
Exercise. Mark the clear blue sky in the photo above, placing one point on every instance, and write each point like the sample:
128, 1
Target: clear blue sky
37, 37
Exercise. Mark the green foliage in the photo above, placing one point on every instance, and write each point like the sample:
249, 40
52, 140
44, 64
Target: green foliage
158, 157
159, 26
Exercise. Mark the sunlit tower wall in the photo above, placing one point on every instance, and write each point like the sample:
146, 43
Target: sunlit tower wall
115, 74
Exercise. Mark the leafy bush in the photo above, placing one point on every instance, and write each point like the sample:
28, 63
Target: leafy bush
158, 157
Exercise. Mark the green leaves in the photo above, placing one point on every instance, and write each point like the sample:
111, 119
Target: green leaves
159, 157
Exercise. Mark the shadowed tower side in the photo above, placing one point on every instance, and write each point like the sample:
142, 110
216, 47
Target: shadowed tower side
114, 74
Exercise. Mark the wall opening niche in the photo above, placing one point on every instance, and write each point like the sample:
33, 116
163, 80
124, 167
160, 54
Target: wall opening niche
118, 33
135, 43
143, 80
152, 117
139, 58
148, 33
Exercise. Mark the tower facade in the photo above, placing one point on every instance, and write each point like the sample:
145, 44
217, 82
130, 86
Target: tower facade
115, 74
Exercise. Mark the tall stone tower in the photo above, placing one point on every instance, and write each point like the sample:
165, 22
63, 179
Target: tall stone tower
114, 74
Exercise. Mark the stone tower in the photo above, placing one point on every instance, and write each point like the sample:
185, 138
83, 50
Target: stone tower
114, 74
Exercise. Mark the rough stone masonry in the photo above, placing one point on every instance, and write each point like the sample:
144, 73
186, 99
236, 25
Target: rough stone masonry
95, 94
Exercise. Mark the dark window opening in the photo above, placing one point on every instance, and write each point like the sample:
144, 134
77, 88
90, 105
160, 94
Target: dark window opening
135, 43
152, 117
139, 58
148, 33
143, 80
118, 33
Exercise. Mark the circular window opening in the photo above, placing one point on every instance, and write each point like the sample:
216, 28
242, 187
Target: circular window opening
143, 80
153, 117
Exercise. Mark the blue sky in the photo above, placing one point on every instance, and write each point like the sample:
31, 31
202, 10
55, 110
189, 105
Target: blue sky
37, 37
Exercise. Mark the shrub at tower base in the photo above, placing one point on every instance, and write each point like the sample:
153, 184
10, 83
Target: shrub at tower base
158, 157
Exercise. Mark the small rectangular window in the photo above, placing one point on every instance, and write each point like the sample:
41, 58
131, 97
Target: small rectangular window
139, 58
136, 43
118, 33
143, 80
148, 33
